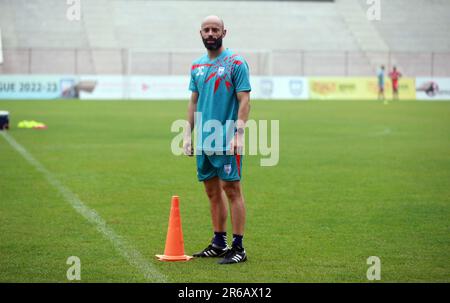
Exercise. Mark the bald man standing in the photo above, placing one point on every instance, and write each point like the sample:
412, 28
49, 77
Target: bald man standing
220, 103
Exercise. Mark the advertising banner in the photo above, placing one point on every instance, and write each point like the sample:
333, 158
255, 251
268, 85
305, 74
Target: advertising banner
135, 87
279, 87
13, 87
177, 88
361, 88
100, 88
116, 87
159, 87
433, 89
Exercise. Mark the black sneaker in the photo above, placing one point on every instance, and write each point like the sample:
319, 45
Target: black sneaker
212, 251
234, 255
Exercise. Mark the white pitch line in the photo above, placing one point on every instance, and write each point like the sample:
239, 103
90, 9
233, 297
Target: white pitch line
385, 132
125, 249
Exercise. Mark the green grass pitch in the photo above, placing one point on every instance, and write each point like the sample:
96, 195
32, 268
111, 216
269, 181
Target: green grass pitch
355, 179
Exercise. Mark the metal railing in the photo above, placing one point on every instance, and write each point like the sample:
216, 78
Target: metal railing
262, 62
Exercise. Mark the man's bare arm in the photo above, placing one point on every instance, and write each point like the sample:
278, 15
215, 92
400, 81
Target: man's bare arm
243, 113
192, 108
244, 108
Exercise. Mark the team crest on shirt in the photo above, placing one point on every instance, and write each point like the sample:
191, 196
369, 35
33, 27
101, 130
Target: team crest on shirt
220, 71
227, 168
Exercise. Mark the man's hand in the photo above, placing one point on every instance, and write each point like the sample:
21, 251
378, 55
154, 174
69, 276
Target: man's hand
187, 147
244, 110
237, 144
187, 139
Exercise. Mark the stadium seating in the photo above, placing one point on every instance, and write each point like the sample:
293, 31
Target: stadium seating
161, 37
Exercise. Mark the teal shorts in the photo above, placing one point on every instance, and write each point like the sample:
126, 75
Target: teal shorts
226, 167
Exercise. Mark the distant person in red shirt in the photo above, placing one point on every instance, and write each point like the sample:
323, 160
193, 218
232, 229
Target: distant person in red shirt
395, 76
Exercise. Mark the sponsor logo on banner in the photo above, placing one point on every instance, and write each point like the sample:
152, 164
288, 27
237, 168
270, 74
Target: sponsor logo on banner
266, 87
433, 88
296, 87
363, 88
68, 88
279, 87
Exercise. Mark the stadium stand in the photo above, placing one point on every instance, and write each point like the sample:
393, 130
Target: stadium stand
1, 47
161, 37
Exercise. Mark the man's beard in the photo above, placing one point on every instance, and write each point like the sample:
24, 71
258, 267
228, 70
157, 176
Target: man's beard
213, 46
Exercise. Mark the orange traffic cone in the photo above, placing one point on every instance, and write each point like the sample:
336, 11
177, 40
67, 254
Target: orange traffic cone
174, 250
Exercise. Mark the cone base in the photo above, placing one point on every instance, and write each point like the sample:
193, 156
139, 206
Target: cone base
173, 258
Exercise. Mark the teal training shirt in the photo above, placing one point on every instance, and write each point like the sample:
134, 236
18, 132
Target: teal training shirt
217, 81
381, 78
